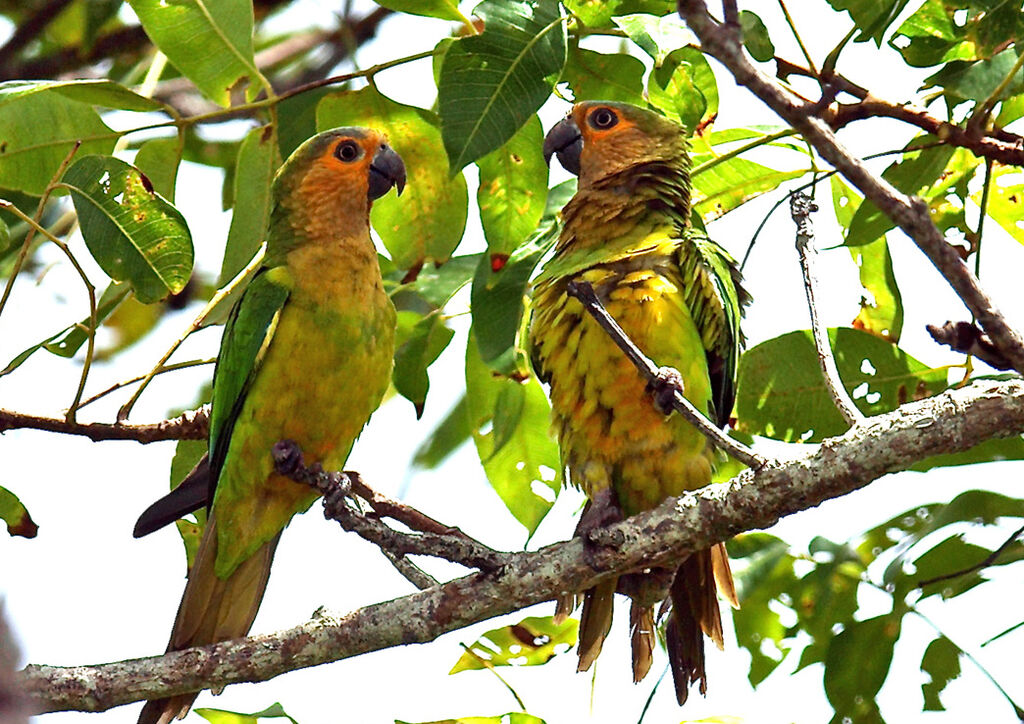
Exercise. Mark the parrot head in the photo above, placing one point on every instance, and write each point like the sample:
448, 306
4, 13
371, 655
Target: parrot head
601, 138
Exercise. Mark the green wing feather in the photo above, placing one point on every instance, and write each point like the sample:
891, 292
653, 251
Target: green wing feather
247, 334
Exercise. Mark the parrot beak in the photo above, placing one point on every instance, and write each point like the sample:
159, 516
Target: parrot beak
386, 170
565, 141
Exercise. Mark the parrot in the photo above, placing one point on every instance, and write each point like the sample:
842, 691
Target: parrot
306, 356
679, 296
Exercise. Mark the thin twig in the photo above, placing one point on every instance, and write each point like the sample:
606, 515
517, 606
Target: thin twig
801, 206
410, 571
799, 40
138, 378
658, 377
191, 425
336, 488
988, 560
490, 667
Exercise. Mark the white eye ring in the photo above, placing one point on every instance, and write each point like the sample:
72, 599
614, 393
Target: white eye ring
348, 151
603, 118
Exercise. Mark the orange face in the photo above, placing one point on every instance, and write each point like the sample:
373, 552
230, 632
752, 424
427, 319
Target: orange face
611, 140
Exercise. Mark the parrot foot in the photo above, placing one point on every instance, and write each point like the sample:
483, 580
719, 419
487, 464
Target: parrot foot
665, 385
602, 510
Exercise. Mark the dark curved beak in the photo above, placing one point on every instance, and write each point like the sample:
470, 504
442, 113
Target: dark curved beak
565, 141
386, 170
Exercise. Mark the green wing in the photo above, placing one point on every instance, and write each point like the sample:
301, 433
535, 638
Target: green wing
716, 299
247, 335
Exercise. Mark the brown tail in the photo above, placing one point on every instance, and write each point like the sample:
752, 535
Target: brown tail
212, 610
695, 612
595, 621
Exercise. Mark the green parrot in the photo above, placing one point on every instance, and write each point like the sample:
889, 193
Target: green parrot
678, 296
306, 356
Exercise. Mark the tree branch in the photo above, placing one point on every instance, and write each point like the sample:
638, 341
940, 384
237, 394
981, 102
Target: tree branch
191, 425
950, 422
967, 338
801, 206
909, 213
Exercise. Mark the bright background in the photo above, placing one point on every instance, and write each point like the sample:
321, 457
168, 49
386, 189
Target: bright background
85, 592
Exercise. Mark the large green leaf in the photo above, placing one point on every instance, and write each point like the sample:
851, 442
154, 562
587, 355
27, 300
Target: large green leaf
756, 39
15, 516
258, 160
978, 80
656, 35
525, 470
722, 187
493, 82
872, 17
427, 222
1006, 200
210, 41
220, 716
683, 87
104, 93
132, 232
444, 439
38, 128
531, 642
604, 76
927, 37
512, 192
781, 393
158, 159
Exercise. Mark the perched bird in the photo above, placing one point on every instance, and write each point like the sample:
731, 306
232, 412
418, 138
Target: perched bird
306, 356
677, 295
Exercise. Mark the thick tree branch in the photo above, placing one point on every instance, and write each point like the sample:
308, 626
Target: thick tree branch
801, 206
952, 421
910, 213
191, 425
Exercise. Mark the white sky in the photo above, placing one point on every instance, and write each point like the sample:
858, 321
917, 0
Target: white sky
85, 592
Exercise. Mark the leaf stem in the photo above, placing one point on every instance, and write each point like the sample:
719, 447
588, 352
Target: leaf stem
799, 40
491, 667
167, 368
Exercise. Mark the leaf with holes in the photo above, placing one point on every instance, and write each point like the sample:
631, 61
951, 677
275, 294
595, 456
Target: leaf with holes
132, 232
781, 393
158, 159
492, 83
427, 223
209, 42
531, 642
524, 472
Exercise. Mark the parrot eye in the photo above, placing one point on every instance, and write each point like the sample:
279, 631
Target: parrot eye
348, 151
603, 118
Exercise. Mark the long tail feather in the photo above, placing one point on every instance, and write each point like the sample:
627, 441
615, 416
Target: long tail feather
595, 621
641, 632
211, 610
694, 611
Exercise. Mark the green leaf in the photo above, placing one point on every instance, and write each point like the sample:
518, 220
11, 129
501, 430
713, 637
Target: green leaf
684, 88
493, 82
210, 42
254, 175
524, 472
132, 232
977, 81
513, 189
952, 555
656, 36
1011, 448
872, 17
296, 118
729, 184
428, 221
444, 439
67, 342
914, 173
497, 297
755, 37
781, 393
433, 286
593, 13
419, 341
38, 128
5, 238
220, 716
927, 36
604, 76
186, 454
105, 93
941, 662
15, 515
852, 678
1006, 201
443, 9
158, 160
531, 642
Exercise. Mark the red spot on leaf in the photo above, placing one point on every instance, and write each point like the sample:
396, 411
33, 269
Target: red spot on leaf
498, 262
